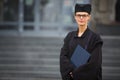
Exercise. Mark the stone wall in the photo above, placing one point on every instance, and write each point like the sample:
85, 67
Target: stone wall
103, 11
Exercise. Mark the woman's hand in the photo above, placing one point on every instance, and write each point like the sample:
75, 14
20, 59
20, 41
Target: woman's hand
71, 74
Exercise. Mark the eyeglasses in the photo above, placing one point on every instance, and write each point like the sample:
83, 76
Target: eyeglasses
82, 16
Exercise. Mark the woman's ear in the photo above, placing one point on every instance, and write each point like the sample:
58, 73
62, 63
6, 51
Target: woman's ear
74, 17
89, 17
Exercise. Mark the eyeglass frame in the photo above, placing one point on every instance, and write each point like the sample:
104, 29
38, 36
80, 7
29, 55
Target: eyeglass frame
82, 15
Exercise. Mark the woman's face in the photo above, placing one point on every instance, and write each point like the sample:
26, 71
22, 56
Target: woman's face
82, 18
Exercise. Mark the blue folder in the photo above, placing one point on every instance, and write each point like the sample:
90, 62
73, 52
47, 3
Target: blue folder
80, 56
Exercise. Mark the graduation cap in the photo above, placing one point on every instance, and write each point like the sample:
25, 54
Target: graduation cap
83, 8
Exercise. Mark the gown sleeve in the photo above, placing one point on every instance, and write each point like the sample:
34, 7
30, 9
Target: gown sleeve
65, 65
92, 69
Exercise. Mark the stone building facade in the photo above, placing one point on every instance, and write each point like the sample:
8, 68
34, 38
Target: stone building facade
103, 11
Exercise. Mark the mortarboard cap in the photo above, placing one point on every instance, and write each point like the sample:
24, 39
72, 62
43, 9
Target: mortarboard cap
83, 8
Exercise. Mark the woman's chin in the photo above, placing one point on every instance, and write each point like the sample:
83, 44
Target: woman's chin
82, 24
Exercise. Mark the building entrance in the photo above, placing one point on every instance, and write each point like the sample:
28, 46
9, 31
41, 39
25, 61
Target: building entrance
36, 17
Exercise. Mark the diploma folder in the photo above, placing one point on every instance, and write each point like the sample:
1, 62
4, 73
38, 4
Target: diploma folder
80, 56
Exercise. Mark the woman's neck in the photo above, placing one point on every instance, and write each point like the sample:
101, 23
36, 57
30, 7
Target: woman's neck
81, 30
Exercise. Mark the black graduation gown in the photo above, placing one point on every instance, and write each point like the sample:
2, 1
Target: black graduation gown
92, 70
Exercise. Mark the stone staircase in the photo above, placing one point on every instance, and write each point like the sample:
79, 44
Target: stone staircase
37, 58
26, 58
111, 58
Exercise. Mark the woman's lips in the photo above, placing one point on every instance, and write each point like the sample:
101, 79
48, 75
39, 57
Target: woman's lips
81, 21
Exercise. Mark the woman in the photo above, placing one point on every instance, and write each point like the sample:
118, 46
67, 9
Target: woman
90, 41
